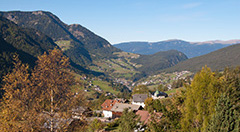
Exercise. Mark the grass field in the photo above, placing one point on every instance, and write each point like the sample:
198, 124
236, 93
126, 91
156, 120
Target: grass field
64, 44
105, 86
173, 90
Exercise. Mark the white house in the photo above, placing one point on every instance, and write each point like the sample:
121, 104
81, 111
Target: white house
107, 106
138, 99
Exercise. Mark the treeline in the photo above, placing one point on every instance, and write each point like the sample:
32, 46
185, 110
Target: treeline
210, 103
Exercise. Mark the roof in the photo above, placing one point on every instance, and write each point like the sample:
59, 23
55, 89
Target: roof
119, 107
145, 116
157, 94
80, 109
108, 104
139, 97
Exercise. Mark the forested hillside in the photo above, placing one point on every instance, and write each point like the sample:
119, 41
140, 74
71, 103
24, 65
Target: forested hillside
80, 44
217, 60
154, 63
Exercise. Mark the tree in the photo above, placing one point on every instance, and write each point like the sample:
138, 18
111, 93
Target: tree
162, 88
167, 114
231, 85
42, 96
128, 121
148, 104
179, 83
226, 117
201, 98
53, 84
140, 89
16, 107
96, 125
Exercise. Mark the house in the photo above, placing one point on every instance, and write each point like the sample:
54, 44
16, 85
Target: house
144, 116
118, 108
138, 99
159, 95
80, 111
107, 106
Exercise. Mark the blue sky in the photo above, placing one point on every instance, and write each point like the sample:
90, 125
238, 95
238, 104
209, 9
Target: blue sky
144, 20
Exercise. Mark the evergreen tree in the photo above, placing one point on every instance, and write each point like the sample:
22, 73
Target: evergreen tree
226, 117
232, 86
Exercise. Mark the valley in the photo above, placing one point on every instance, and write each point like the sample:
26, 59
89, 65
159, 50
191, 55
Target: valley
90, 72
119, 66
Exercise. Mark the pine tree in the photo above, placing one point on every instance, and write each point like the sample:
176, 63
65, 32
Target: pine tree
232, 85
226, 117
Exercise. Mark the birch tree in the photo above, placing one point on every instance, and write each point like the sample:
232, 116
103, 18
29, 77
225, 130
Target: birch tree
40, 99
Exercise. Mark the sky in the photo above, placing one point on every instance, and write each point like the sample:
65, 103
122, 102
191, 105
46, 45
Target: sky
144, 20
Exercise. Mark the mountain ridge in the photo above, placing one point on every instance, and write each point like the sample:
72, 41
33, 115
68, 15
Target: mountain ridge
80, 48
191, 49
85, 48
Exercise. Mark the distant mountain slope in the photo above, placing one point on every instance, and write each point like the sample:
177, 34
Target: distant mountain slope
217, 60
191, 49
158, 61
80, 44
98, 47
28, 43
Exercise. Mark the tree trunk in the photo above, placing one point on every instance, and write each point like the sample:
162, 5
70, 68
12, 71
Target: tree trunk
51, 114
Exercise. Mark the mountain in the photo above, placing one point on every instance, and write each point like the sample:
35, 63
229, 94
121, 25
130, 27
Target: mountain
154, 63
81, 45
35, 32
217, 60
191, 49
158, 61
28, 43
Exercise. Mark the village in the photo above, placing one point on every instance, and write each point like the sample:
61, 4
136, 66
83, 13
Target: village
112, 109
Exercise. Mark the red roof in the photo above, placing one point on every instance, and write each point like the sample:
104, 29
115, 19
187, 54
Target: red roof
108, 104
145, 116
